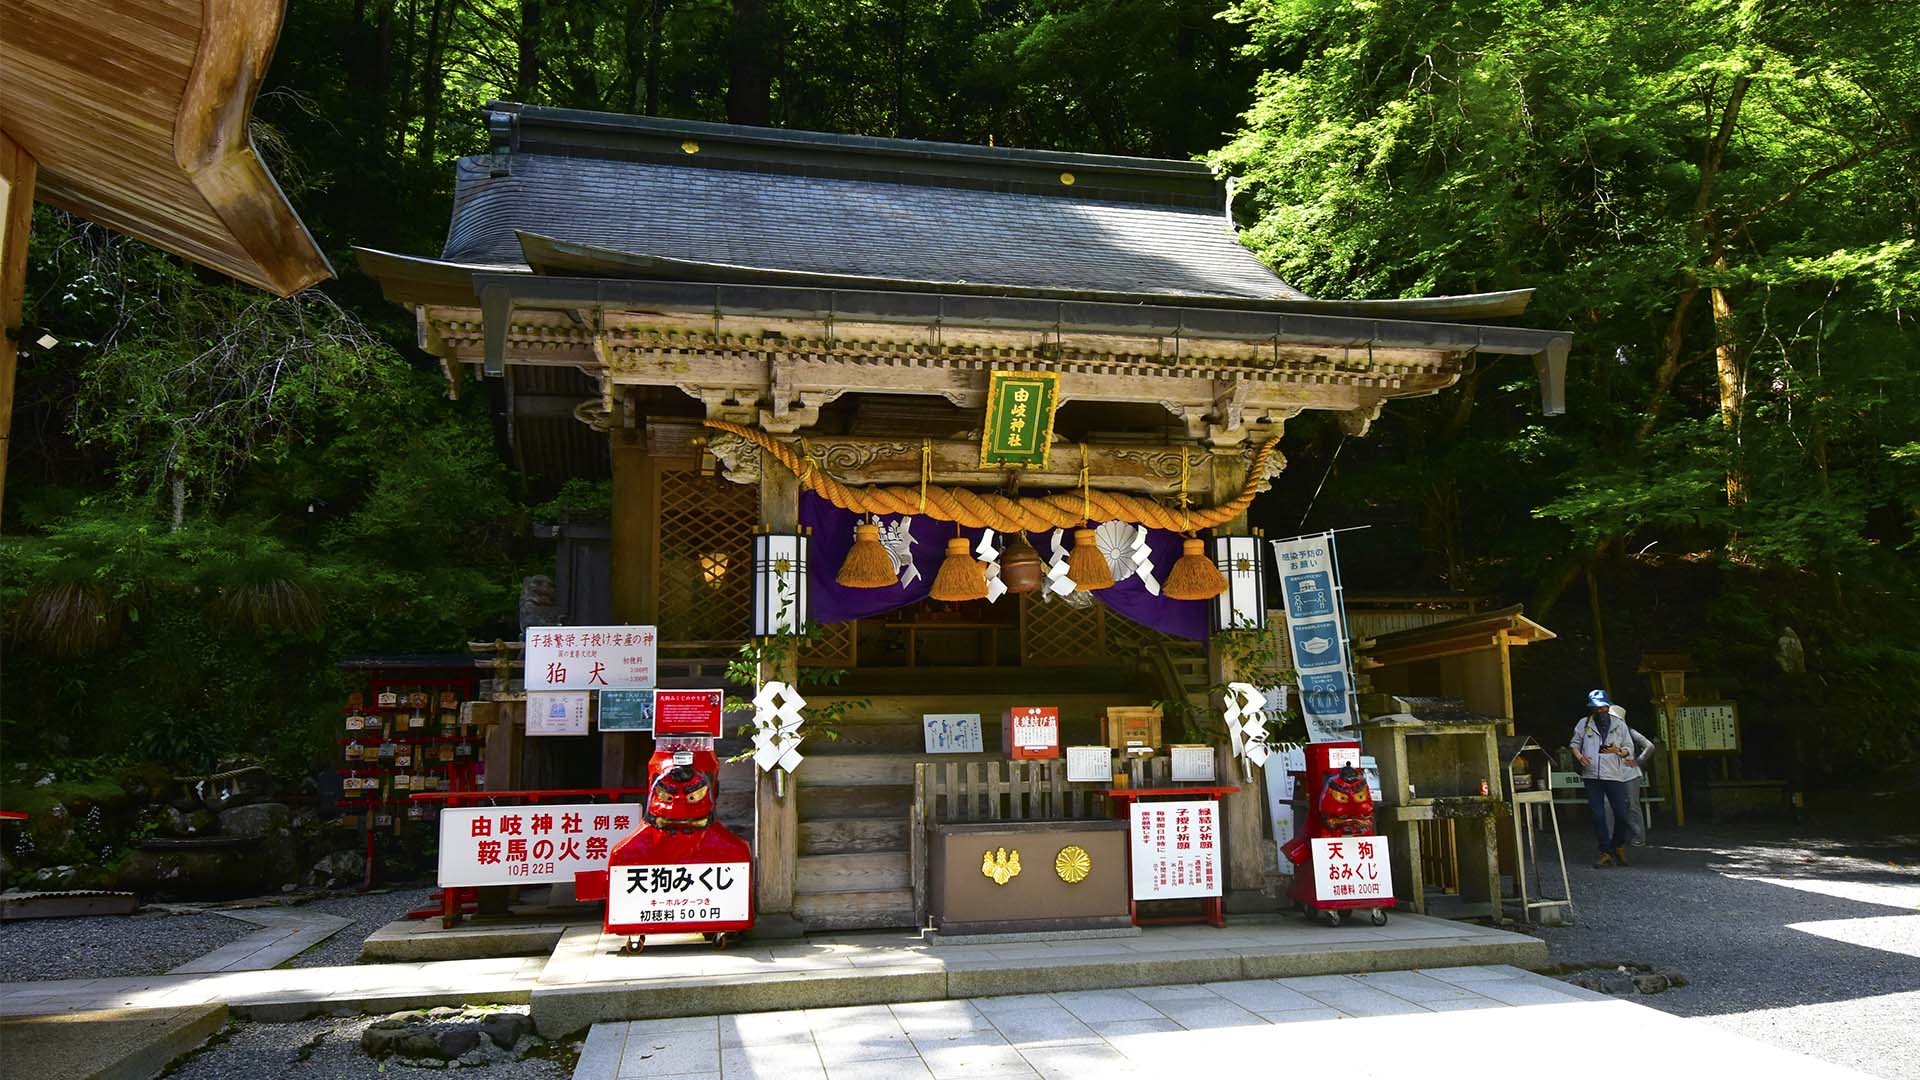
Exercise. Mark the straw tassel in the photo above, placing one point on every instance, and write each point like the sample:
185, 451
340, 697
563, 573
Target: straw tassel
1193, 577
868, 565
961, 577
1086, 565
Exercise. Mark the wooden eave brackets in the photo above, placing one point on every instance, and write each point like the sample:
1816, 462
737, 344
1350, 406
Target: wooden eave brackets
137, 117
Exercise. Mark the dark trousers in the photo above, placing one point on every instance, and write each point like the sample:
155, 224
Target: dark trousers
1600, 795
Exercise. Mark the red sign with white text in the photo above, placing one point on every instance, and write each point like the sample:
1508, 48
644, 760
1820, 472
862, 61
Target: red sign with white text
688, 712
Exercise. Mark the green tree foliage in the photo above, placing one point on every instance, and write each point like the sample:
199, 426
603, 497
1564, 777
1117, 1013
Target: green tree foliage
215, 494
1720, 199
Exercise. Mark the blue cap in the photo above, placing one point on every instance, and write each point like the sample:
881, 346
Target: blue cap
1598, 699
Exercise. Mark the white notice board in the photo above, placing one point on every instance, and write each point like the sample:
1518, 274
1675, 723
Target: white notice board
1176, 849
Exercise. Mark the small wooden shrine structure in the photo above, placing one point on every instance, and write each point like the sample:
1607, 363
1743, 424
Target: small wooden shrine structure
135, 116
758, 331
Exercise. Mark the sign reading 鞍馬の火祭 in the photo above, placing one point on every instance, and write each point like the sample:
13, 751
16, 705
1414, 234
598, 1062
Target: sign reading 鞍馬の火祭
590, 657
1317, 632
523, 845
1019, 421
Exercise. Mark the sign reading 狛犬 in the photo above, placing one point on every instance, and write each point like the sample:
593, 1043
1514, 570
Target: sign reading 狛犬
589, 657
1019, 421
1317, 633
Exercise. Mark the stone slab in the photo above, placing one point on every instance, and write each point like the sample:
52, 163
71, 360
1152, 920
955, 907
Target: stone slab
411, 941
65, 905
935, 937
562, 1011
108, 1044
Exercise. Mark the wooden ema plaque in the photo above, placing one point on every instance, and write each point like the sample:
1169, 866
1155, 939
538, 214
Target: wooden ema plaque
1131, 729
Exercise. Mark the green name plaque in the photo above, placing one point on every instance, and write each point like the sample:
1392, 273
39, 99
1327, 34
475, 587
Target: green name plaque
1019, 427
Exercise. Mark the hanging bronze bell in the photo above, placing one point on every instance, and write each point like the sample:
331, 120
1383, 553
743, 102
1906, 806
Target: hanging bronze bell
1022, 570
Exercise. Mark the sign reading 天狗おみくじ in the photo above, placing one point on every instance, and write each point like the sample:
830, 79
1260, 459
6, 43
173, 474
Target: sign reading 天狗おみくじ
520, 845
589, 657
1019, 423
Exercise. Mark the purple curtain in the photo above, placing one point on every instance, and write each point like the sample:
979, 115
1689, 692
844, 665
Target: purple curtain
830, 602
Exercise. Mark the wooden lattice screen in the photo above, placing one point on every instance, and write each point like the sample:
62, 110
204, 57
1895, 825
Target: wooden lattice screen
1054, 633
835, 646
705, 566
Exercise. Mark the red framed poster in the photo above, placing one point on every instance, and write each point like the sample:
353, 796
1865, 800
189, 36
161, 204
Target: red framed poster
688, 712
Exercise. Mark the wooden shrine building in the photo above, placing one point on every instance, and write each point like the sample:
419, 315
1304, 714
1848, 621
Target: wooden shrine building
757, 330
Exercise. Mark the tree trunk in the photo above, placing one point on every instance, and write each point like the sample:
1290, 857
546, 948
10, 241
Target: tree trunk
1731, 378
526, 72
433, 77
750, 81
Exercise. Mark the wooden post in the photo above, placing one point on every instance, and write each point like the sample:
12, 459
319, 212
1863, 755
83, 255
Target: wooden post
623, 755
776, 816
1246, 811
17, 173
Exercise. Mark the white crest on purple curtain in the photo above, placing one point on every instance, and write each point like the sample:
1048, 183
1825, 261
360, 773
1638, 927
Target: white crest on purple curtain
1125, 547
897, 537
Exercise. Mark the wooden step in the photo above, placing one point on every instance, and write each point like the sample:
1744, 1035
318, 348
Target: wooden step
855, 801
869, 872
839, 836
879, 909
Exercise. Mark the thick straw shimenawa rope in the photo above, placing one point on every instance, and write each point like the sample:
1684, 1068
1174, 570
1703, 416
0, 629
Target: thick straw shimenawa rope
1001, 513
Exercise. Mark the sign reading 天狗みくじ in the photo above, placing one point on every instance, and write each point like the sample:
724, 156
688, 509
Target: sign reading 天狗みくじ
1019, 423
589, 657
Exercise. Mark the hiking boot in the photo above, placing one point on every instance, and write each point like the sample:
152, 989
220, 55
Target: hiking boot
1603, 862
1620, 855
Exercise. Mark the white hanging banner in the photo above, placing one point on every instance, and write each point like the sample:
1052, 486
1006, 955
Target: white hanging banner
1317, 633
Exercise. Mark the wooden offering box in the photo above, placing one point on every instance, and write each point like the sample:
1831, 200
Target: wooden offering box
1131, 729
1072, 876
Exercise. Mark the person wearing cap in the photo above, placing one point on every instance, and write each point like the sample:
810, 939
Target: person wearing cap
1603, 746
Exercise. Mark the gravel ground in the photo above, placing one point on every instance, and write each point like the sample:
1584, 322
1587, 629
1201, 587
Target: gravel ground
110, 946
330, 1050
369, 912
1823, 959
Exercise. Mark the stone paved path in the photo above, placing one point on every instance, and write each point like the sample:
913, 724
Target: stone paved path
1449, 1022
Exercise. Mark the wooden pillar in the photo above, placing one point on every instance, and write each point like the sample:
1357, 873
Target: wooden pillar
1246, 810
776, 815
630, 554
17, 173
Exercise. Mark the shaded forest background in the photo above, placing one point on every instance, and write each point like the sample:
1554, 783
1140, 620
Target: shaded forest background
215, 494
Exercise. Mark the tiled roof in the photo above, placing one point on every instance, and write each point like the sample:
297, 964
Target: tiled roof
866, 224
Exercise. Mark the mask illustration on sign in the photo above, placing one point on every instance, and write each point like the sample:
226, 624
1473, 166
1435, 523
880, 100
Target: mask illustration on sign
897, 537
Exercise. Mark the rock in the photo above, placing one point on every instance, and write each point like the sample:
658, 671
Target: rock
456, 1041
442, 1012
506, 1028
339, 868
211, 873
1649, 984
419, 1044
246, 786
380, 1040
256, 821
